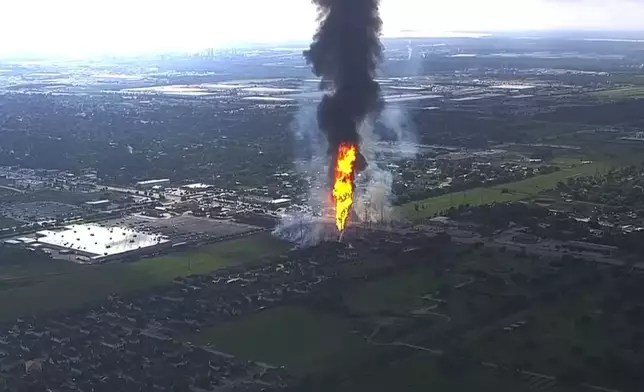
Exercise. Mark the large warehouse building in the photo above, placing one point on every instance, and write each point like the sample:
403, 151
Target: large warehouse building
100, 244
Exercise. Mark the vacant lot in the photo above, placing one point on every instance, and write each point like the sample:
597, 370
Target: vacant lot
44, 289
634, 92
500, 193
303, 340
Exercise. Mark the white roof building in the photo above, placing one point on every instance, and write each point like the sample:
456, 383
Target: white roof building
96, 242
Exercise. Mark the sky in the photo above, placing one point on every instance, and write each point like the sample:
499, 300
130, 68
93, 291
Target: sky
85, 27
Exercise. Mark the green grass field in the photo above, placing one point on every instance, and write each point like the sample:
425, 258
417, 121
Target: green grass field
398, 293
556, 340
303, 340
49, 195
7, 222
40, 287
5, 192
622, 93
420, 373
519, 190
210, 257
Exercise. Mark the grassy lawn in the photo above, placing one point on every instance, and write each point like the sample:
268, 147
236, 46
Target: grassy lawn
501, 193
40, 288
633, 92
5, 192
398, 293
8, 222
303, 340
421, 373
49, 195
29, 265
555, 339
210, 257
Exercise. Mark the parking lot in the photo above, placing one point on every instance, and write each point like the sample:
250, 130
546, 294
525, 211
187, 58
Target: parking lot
38, 211
182, 228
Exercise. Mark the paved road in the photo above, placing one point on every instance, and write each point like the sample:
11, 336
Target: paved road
11, 189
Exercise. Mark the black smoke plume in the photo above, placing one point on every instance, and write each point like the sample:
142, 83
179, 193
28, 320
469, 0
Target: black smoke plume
345, 53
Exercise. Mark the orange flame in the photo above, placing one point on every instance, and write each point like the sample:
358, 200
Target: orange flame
343, 183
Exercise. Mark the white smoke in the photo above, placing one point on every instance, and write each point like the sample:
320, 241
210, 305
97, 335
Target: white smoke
311, 159
374, 193
396, 119
305, 230
310, 144
311, 163
374, 197
373, 202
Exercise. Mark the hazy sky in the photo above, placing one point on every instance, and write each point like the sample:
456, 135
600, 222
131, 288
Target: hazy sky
85, 26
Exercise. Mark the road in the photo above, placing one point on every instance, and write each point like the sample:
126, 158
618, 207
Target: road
11, 189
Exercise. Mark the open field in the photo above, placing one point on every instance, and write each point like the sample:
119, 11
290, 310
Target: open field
398, 293
72, 198
45, 289
6, 191
315, 342
503, 193
620, 93
584, 333
632, 78
22, 264
211, 257
8, 222
421, 372
305, 341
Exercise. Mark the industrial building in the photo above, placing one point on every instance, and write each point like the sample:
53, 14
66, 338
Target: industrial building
99, 244
98, 204
278, 203
148, 184
198, 187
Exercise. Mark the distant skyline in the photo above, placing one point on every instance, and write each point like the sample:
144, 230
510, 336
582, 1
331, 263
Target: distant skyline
87, 27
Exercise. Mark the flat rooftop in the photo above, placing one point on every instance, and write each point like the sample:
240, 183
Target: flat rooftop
99, 241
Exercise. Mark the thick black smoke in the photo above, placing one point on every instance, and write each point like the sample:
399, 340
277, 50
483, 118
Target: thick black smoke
345, 53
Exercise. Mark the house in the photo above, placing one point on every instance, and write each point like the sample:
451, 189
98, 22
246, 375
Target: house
114, 344
33, 366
